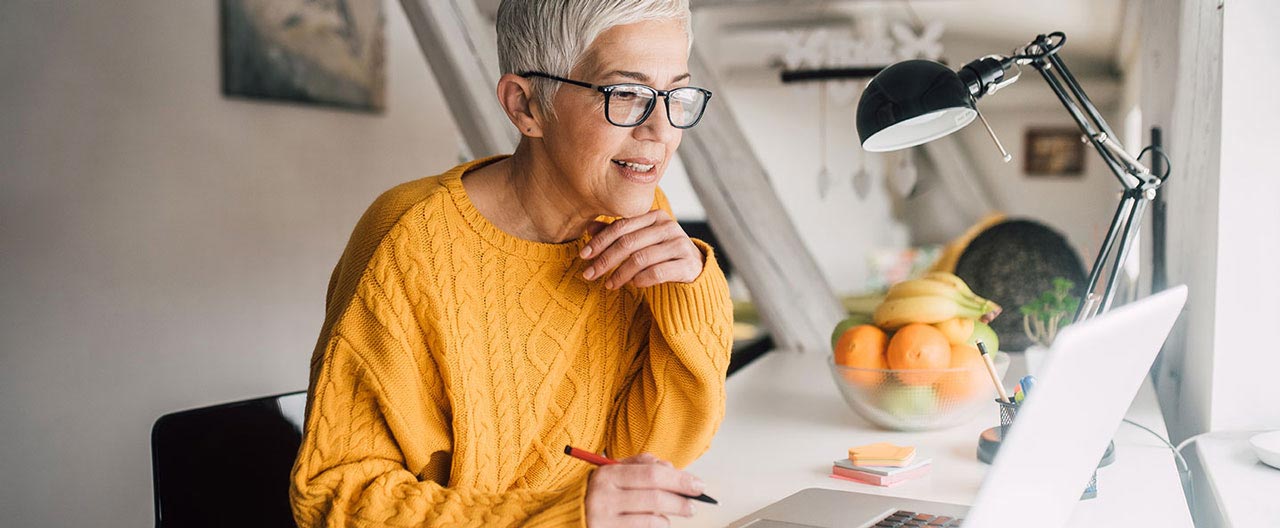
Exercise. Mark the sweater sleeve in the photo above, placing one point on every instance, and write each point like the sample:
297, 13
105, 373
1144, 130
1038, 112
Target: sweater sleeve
674, 400
367, 392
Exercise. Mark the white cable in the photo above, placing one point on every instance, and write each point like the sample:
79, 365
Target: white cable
1184, 475
1189, 440
1177, 451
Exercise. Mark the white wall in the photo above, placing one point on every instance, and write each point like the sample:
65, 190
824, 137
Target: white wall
1208, 88
1246, 357
1181, 92
164, 247
1205, 76
781, 124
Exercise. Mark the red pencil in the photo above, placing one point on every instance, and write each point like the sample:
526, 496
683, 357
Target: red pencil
598, 460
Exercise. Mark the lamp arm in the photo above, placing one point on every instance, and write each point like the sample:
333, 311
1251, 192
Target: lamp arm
1131, 226
1070, 80
1082, 121
1088, 302
1138, 182
1129, 211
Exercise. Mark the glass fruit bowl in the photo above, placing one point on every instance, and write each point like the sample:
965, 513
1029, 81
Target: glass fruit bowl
918, 399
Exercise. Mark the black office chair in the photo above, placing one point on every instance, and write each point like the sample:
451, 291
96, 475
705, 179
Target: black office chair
227, 465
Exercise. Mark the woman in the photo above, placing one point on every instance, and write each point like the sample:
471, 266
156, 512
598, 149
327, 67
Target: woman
483, 319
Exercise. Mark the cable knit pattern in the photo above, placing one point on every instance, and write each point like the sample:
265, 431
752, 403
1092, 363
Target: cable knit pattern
456, 361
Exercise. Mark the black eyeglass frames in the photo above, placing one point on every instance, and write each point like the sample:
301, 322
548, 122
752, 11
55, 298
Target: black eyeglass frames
629, 104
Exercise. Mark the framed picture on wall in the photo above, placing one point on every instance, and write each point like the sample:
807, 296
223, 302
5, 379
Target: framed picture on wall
316, 52
1053, 152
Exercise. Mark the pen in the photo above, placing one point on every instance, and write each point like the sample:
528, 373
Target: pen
598, 460
991, 369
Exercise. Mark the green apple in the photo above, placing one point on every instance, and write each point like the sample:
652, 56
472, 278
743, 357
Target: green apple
983, 332
849, 322
909, 400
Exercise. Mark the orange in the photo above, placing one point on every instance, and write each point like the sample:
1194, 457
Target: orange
862, 346
958, 330
966, 383
916, 347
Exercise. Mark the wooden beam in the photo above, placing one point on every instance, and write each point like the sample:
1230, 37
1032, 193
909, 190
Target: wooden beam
964, 184
795, 302
794, 299
461, 49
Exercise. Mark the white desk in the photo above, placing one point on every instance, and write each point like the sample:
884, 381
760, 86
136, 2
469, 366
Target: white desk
786, 423
1244, 489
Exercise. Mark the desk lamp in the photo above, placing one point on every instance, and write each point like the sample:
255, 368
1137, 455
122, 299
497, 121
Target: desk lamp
917, 101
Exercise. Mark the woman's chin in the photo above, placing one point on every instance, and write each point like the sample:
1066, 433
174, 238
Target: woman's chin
633, 206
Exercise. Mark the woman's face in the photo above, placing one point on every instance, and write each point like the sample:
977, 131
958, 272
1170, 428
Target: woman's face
614, 170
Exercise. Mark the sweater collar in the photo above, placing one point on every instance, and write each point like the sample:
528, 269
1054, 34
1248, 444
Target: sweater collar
452, 180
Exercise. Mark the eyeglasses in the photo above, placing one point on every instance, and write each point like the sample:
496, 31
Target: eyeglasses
629, 104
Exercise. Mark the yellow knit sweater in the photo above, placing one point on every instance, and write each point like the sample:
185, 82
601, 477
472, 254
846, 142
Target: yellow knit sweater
456, 362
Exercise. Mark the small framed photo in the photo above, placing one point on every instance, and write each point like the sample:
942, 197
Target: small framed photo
1053, 152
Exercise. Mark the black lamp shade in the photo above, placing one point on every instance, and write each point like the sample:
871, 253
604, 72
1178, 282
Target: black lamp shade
910, 103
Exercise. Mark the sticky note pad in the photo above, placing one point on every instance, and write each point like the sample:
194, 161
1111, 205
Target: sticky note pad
880, 480
917, 462
881, 454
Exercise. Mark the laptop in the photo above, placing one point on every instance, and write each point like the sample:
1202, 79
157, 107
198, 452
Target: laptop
1050, 453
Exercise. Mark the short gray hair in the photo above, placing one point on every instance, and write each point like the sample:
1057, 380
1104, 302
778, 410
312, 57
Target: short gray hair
552, 36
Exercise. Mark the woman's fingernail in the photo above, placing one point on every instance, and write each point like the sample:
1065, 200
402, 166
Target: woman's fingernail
586, 252
608, 284
693, 509
699, 486
591, 272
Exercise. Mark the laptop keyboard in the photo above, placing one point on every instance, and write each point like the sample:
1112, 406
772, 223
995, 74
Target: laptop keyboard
903, 518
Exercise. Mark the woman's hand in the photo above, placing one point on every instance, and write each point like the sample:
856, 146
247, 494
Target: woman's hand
641, 491
643, 250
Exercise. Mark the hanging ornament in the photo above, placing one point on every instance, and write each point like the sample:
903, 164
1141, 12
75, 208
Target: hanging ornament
862, 178
824, 175
904, 178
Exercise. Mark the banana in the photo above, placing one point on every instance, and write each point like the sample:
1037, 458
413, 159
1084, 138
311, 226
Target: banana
925, 287
989, 308
896, 313
952, 279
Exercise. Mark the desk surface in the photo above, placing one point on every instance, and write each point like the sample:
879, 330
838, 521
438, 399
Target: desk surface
786, 423
1243, 487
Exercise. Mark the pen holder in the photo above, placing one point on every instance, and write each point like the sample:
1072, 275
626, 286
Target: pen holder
989, 444
1008, 411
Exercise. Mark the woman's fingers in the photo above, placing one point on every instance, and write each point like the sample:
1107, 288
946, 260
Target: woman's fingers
670, 271
642, 490
619, 227
656, 477
647, 259
644, 520
623, 248
642, 251
654, 501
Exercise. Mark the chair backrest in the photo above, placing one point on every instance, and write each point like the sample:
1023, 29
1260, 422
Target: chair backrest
227, 465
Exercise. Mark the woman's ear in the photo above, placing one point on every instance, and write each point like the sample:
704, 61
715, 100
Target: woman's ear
516, 95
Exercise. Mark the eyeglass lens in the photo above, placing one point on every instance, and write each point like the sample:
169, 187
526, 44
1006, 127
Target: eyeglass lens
629, 105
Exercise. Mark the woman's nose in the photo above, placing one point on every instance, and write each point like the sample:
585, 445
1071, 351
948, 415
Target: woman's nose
658, 126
